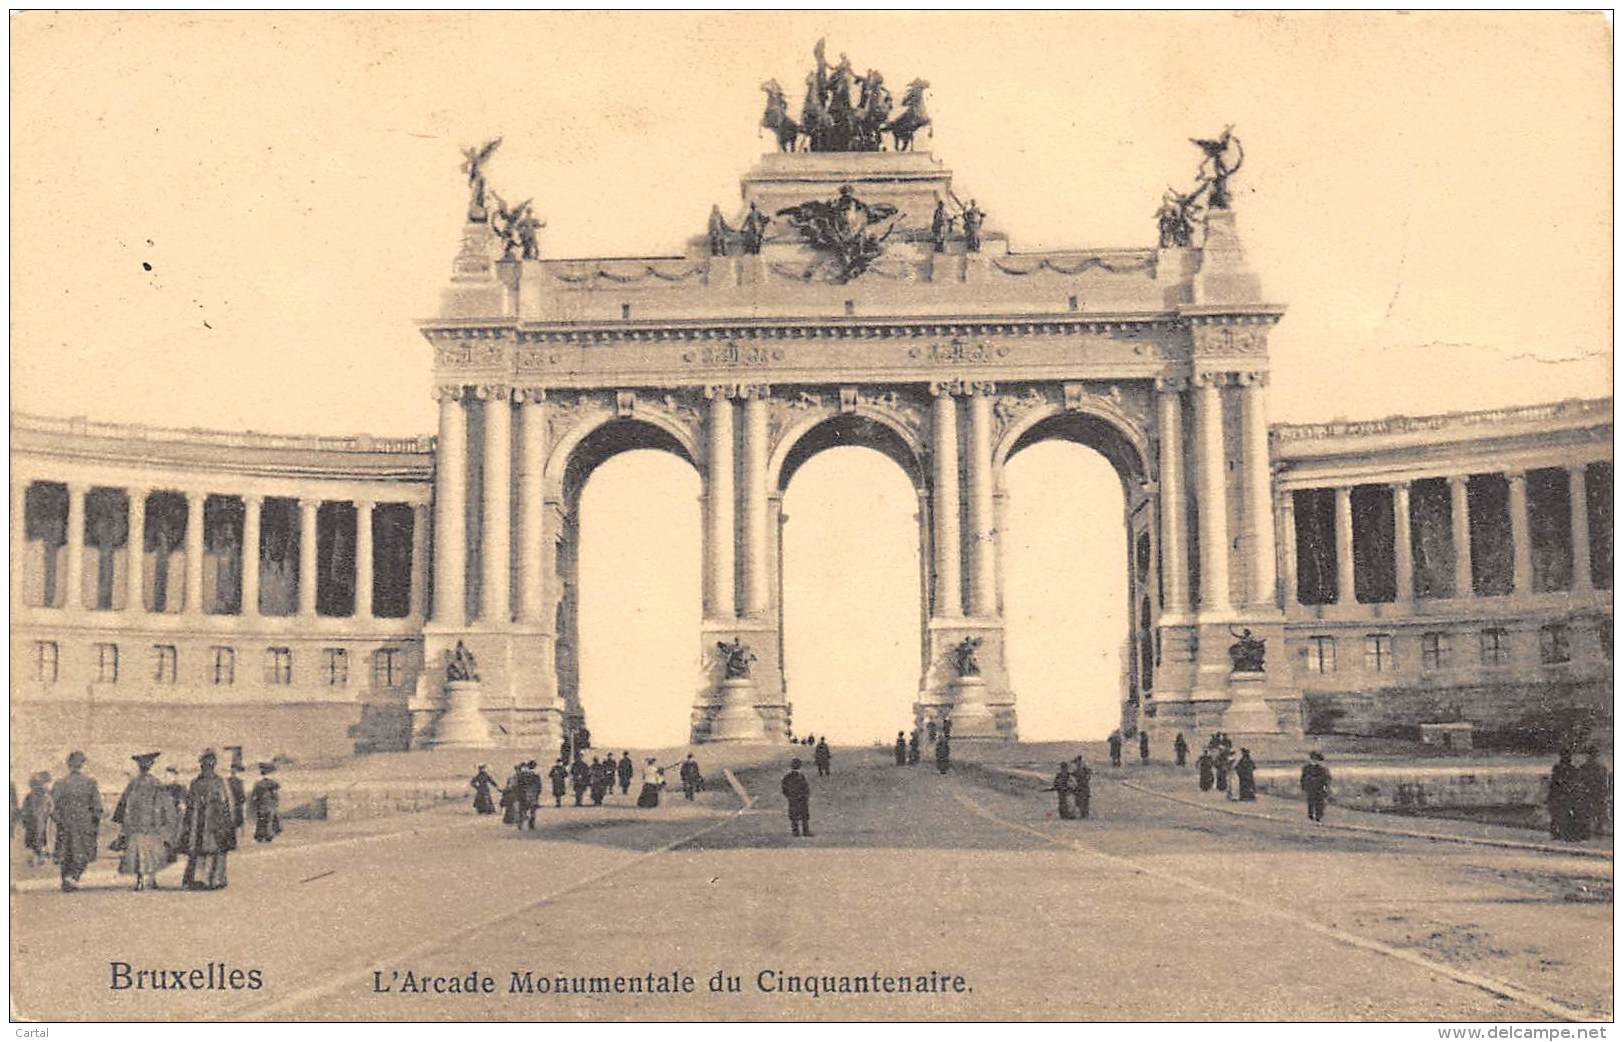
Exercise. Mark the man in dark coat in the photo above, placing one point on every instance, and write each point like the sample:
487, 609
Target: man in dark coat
1081, 787
1115, 748
1143, 747
208, 830
822, 757
626, 769
1315, 785
943, 754
602, 779
913, 750
560, 778
1565, 800
1595, 782
1204, 764
797, 790
1062, 790
264, 803
78, 813
239, 794
532, 792
513, 795
1245, 775
1180, 750
580, 778
901, 749
1222, 765
692, 777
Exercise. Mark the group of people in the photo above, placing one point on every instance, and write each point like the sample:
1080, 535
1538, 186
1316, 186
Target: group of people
1073, 786
157, 821
521, 796
1217, 763
907, 748
1579, 796
1115, 742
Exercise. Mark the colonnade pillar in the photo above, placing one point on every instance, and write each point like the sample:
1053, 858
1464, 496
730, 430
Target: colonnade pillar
417, 607
135, 538
307, 557
194, 553
1579, 498
1460, 516
363, 559
1214, 535
1402, 543
1521, 555
532, 549
982, 518
19, 541
1174, 511
757, 570
720, 567
496, 534
251, 507
1346, 578
1287, 535
450, 505
944, 450
74, 579
1258, 536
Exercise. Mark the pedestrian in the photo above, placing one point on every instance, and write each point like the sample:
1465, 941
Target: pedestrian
37, 814
901, 749
602, 779
1595, 783
76, 805
626, 770
580, 779
1245, 776
943, 754
1180, 750
511, 795
1115, 748
1565, 799
653, 779
1143, 747
177, 794
532, 793
146, 823
265, 803
913, 749
797, 790
691, 777
1204, 764
1315, 785
1081, 787
239, 795
1062, 790
208, 831
559, 775
481, 785
822, 757
1222, 765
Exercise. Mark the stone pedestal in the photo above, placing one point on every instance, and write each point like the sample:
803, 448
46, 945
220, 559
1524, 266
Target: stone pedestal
462, 723
970, 715
737, 719
1248, 711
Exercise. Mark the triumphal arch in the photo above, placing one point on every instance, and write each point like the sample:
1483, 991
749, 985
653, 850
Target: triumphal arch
852, 296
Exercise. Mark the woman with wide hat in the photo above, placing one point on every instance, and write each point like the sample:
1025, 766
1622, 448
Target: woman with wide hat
208, 832
146, 818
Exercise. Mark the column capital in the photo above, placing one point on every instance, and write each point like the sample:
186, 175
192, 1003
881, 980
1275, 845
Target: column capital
1202, 380
1398, 486
493, 392
450, 393
1251, 378
947, 388
77, 486
1518, 477
754, 392
530, 395
981, 388
364, 504
249, 499
1458, 479
723, 391
307, 503
1171, 384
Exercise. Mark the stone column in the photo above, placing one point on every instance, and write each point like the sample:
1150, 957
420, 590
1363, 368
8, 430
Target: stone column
1287, 535
1460, 510
73, 579
134, 550
944, 450
532, 461
307, 556
251, 507
1577, 494
1214, 528
1402, 543
1174, 508
757, 572
1521, 543
1258, 536
719, 579
1346, 578
194, 552
19, 542
496, 538
982, 517
418, 606
363, 560
450, 506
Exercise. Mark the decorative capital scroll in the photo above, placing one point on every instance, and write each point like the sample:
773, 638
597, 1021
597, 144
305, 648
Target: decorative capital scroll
1251, 378
493, 392
981, 388
941, 387
450, 393
713, 391
1210, 379
1171, 384
533, 395
758, 391
624, 403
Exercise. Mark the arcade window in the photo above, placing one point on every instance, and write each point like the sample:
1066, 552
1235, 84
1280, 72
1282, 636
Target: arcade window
45, 661
279, 666
163, 663
106, 663
1378, 653
1436, 650
1554, 644
1320, 653
385, 667
1495, 647
225, 665
337, 668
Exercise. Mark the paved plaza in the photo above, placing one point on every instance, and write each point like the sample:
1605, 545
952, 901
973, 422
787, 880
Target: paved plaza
1155, 908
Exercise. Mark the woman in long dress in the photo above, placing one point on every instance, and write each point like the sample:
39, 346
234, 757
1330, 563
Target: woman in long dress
653, 779
146, 818
209, 831
481, 784
36, 814
264, 803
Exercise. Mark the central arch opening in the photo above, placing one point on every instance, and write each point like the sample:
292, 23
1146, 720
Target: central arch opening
851, 582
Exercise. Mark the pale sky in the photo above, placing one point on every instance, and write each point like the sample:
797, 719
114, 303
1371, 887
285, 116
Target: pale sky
1430, 194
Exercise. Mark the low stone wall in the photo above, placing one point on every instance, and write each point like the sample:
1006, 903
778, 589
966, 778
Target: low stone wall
1416, 789
1510, 713
355, 803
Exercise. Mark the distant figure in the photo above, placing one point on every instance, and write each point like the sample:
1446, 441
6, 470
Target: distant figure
239, 793
1204, 763
1222, 764
177, 794
532, 793
1115, 748
692, 778
797, 790
594, 781
264, 803
1565, 801
901, 749
973, 217
1315, 785
580, 779
76, 805
209, 832
559, 776
625, 770
822, 757
146, 819
1245, 775
913, 750
1062, 790
653, 779
1180, 750
1081, 787
1143, 747
512, 795
1595, 782
943, 754
481, 785
37, 813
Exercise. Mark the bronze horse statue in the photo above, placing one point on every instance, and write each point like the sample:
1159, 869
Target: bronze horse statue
913, 118
776, 118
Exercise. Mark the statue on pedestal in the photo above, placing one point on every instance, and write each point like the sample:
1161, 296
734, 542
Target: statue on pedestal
717, 231
964, 658
1246, 653
776, 118
844, 227
831, 122
460, 665
474, 160
973, 217
736, 658
913, 118
941, 226
1177, 215
504, 221
754, 229
1219, 168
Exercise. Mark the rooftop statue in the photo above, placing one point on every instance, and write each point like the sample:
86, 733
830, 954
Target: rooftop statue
832, 121
516, 226
1215, 168
1177, 215
473, 164
845, 227
913, 117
